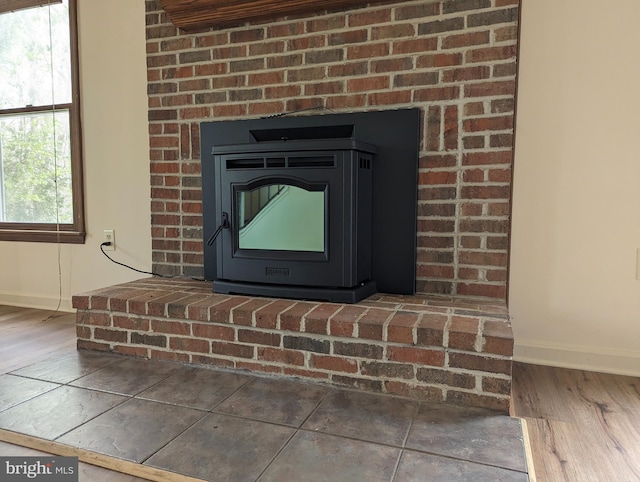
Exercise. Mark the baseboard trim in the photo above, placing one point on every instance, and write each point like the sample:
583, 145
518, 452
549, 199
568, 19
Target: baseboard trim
38, 302
619, 362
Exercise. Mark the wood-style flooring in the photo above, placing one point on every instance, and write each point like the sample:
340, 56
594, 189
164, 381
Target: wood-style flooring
582, 426
29, 335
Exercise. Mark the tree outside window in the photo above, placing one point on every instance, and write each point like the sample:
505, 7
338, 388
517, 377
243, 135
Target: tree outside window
40, 165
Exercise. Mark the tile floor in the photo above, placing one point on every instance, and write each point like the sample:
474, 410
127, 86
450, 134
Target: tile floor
226, 426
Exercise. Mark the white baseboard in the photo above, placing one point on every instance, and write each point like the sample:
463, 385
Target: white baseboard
39, 302
620, 362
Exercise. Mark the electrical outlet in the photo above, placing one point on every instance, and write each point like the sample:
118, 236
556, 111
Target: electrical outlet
109, 237
638, 264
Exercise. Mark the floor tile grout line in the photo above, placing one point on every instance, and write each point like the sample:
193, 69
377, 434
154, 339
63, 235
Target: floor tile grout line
419, 406
404, 442
67, 383
354, 439
130, 398
407, 449
275, 457
297, 430
458, 459
30, 398
32, 378
139, 396
127, 399
142, 462
133, 395
315, 409
268, 422
116, 358
156, 383
394, 475
250, 380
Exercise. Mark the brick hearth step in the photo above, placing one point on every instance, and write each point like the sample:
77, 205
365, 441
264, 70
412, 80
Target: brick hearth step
423, 347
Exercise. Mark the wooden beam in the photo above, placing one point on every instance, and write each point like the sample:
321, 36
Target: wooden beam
13, 5
528, 450
94, 458
198, 14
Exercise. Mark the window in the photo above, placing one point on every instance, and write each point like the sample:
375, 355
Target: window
41, 196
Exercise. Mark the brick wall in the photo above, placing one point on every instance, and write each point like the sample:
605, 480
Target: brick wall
455, 60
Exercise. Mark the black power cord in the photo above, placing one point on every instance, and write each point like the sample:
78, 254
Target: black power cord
210, 241
108, 243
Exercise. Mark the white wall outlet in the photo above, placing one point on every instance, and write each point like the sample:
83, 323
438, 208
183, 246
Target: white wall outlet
109, 237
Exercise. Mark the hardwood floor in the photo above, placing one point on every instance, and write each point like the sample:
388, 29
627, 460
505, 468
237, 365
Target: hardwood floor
29, 335
582, 426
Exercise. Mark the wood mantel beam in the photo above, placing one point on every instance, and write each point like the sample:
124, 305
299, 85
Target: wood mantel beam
198, 14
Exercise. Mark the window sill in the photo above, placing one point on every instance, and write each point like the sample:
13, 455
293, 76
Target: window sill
35, 236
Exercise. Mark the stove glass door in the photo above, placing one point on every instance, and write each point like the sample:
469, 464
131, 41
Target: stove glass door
281, 217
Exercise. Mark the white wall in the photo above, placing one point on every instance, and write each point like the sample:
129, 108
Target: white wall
114, 113
574, 297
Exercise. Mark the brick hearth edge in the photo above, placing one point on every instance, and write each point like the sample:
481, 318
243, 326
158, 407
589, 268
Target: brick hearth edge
423, 347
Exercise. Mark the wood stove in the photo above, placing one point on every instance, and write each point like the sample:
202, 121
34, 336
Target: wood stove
289, 205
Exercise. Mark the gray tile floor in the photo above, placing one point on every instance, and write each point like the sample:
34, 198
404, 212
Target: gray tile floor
226, 426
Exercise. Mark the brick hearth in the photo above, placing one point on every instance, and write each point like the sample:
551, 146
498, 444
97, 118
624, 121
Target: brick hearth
422, 347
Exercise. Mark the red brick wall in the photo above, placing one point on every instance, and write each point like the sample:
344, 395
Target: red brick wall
455, 60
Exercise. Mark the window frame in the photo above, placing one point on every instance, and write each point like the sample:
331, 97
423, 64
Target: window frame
74, 233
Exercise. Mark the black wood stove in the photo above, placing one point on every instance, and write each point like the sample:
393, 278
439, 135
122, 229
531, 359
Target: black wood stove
291, 206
